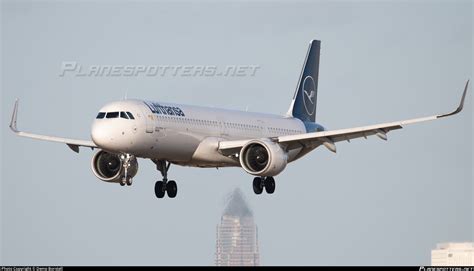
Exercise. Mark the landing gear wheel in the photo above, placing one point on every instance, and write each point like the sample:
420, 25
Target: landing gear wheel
159, 189
122, 182
257, 185
129, 181
171, 189
269, 185
165, 186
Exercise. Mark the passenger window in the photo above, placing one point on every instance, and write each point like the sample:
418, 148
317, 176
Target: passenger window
130, 115
112, 115
123, 115
101, 115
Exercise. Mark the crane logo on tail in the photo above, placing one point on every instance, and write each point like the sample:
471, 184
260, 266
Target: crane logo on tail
309, 95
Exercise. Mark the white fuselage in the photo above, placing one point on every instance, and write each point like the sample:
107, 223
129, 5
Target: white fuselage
183, 134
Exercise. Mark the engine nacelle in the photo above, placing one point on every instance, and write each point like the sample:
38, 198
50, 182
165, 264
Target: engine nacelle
263, 158
109, 167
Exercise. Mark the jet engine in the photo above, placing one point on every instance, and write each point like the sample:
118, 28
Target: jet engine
114, 168
263, 158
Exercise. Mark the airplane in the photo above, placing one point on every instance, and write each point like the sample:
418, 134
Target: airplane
167, 133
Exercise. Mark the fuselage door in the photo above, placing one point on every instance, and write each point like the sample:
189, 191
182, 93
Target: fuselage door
149, 120
222, 126
263, 127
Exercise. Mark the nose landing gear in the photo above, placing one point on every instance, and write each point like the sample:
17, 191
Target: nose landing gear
126, 181
164, 186
126, 164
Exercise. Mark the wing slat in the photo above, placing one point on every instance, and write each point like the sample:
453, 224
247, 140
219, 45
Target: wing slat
73, 144
310, 140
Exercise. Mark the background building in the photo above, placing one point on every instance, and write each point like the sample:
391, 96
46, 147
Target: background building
237, 238
453, 254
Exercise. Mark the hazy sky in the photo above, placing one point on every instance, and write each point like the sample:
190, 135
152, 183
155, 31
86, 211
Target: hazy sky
374, 202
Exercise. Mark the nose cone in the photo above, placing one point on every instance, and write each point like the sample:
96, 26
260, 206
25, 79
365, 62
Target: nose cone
112, 135
101, 136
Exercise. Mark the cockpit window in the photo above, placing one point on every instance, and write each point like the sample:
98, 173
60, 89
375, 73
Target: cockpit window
130, 115
123, 115
111, 115
114, 115
101, 115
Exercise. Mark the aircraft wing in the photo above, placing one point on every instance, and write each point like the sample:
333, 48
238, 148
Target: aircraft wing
329, 138
74, 144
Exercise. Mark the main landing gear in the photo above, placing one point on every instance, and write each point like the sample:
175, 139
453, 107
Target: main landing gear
263, 182
165, 186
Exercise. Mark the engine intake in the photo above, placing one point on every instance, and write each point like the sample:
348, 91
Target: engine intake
109, 167
263, 158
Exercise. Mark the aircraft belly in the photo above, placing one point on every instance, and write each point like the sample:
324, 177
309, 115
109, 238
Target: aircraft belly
174, 147
292, 154
207, 155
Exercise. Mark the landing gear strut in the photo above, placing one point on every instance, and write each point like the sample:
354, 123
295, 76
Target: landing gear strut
161, 187
263, 182
127, 179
